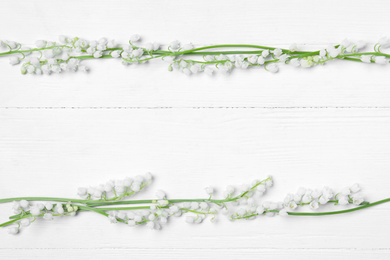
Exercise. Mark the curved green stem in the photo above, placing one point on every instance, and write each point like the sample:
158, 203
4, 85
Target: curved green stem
42, 199
99, 211
124, 208
214, 50
338, 212
31, 50
11, 221
235, 46
316, 213
102, 211
96, 203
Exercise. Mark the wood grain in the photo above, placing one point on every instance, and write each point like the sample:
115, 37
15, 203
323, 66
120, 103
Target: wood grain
328, 125
188, 149
190, 253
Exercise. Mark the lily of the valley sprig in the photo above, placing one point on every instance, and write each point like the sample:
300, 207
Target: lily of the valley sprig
246, 202
48, 57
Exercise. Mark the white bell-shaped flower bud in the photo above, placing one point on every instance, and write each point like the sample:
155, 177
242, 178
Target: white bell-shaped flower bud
190, 219
35, 211
40, 44
131, 223
160, 194
24, 204
48, 216
14, 60
282, 213
355, 188
82, 191
25, 222
13, 230
135, 38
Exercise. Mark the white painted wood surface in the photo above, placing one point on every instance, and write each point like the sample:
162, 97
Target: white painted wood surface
328, 125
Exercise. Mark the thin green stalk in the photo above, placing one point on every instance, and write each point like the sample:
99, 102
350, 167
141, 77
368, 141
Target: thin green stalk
22, 217
319, 213
102, 211
235, 46
42, 199
31, 50
80, 207
124, 208
340, 211
99, 211
196, 212
201, 51
95, 203
12, 221
352, 59
367, 53
173, 201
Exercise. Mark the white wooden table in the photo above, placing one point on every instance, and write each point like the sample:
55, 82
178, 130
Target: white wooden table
328, 125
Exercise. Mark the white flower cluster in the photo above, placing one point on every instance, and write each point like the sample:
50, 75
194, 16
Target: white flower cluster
48, 57
244, 202
226, 63
350, 49
249, 205
158, 214
315, 198
116, 189
154, 219
312, 198
46, 211
196, 211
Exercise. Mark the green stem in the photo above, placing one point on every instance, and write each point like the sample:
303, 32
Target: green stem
42, 199
367, 53
352, 59
99, 211
319, 213
11, 221
17, 218
96, 203
201, 51
195, 211
235, 46
125, 208
31, 50
340, 211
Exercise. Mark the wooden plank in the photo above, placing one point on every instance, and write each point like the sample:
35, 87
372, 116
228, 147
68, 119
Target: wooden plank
338, 84
301, 21
189, 253
52, 152
110, 84
324, 126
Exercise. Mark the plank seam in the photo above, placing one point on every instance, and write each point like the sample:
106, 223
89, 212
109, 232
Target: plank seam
198, 248
194, 107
